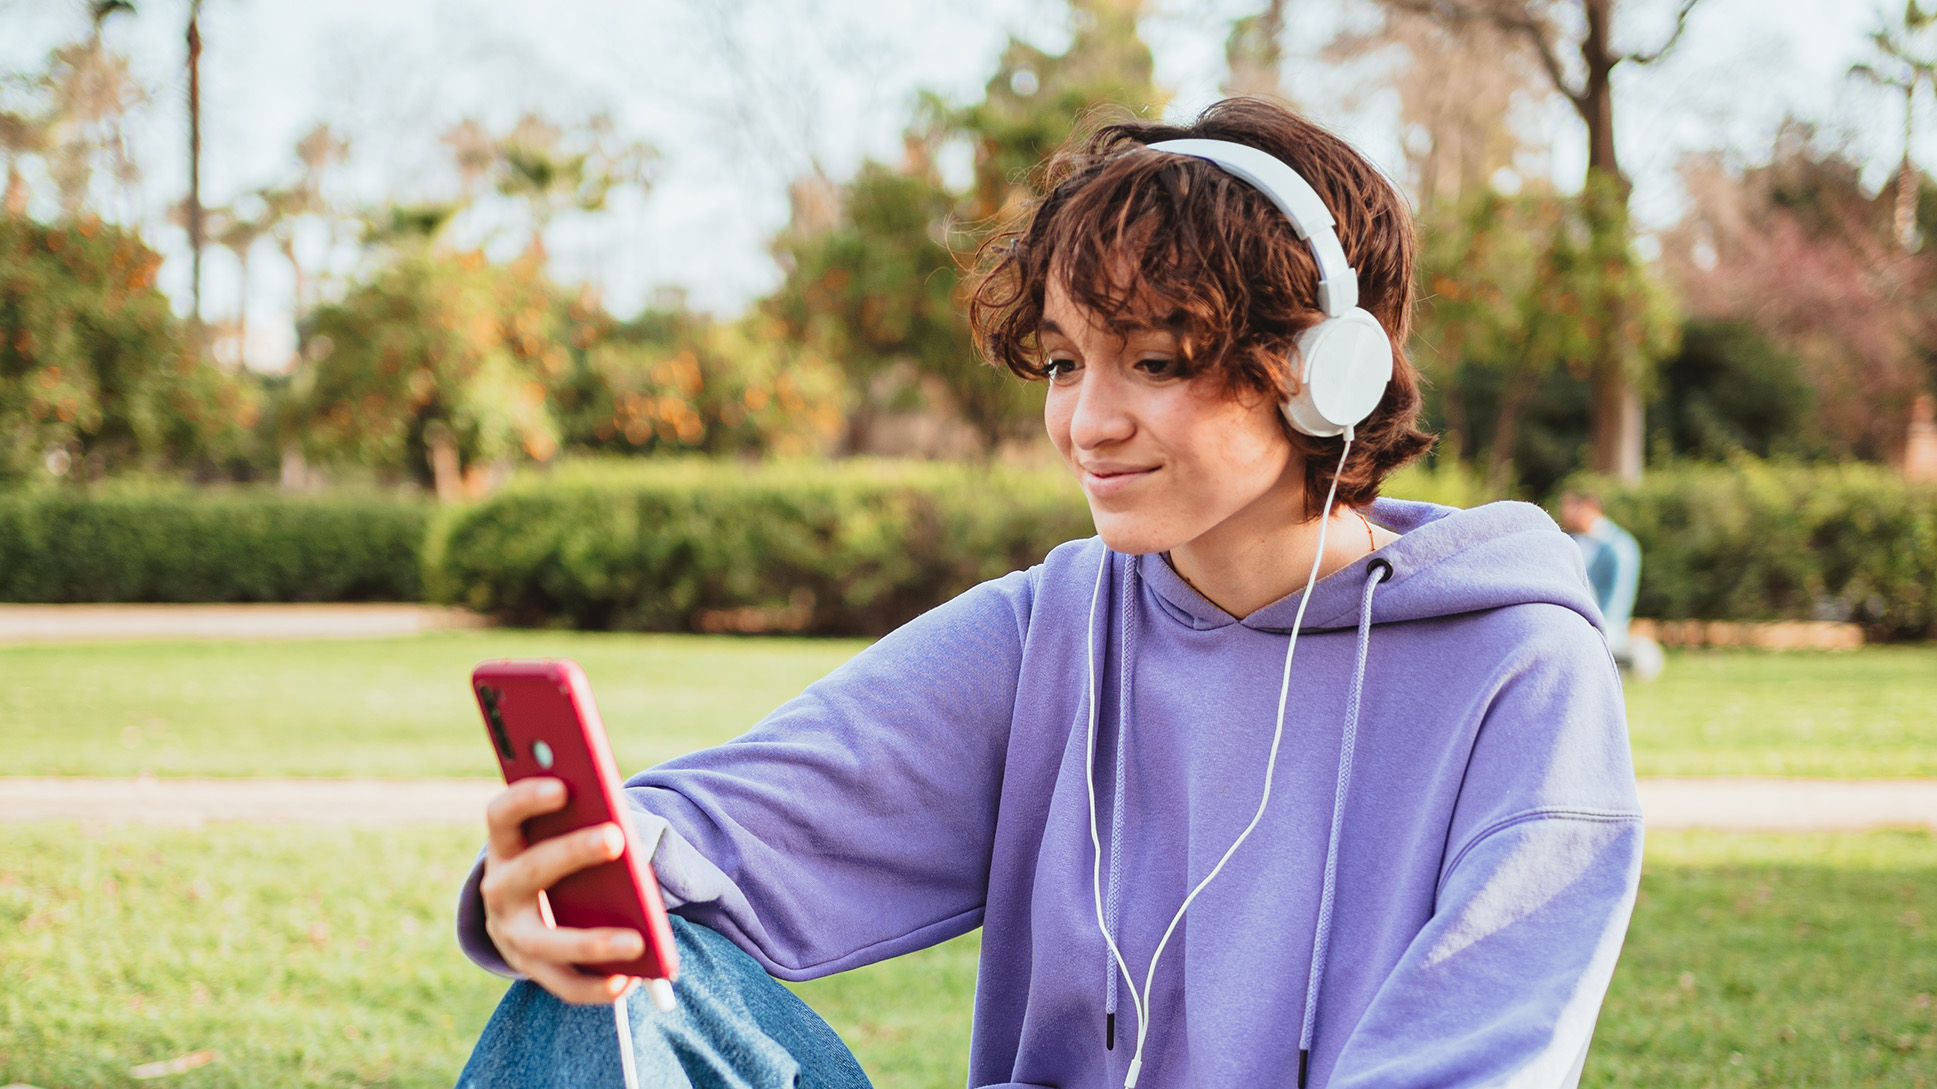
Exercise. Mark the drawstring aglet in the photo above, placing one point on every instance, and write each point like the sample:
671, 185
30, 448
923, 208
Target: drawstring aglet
1109, 1032
1304, 1065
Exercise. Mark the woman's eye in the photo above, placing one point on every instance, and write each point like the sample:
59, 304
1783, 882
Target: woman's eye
1166, 366
1058, 370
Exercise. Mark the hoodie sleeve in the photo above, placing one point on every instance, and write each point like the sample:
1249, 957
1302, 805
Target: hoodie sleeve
854, 823
1504, 983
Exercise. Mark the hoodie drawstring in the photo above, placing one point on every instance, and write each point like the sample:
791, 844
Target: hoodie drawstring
1376, 572
1113, 903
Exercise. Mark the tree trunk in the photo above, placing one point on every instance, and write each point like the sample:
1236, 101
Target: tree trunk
1458, 434
294, 474
242, 315
1521, 382
1907, 178
15, 201
1615, 444
1596, 102
1615, 424
446, 470
195, 162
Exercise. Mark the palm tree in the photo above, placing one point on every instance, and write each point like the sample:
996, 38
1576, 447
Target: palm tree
20, 136
99, 11
236, 230
195, 151
536, 165
1906, 60
91, 92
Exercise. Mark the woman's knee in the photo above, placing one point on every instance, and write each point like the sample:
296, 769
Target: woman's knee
734, 1025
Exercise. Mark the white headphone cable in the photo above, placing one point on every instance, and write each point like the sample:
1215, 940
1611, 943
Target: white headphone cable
1140, 1001
627, 1069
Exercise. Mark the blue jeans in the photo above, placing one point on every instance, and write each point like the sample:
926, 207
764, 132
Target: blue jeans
735, 1028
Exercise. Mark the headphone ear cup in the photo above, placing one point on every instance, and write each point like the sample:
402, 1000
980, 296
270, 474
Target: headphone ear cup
1344, 364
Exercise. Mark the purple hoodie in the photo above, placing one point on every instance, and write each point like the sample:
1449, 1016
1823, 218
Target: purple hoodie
1453, 701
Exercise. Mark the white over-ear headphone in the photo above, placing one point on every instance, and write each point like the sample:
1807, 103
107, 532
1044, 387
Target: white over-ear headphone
1345, 361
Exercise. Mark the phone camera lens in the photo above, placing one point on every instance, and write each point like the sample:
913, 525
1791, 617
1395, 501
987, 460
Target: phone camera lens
500, 737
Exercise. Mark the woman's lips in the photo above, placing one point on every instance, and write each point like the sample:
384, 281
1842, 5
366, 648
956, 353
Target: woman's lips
1109, 482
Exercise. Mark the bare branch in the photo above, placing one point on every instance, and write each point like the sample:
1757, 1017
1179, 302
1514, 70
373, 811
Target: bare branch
1549, 59
1681, 24
1511, 18
1870, 72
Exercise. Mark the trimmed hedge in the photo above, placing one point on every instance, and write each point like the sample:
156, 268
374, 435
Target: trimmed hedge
858, 547
180, 545
852, 549
1752, 541
841, 548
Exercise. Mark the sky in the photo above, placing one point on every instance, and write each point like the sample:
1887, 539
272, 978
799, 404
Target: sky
740, 96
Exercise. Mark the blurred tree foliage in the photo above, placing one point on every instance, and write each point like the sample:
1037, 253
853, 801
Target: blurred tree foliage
1730, 391
96, 375
445, 368
1797, 250
550, 168
1551, 29
1508, 291
874, 267
436, 367
1035, 99
674, 381
876, 290
74, 115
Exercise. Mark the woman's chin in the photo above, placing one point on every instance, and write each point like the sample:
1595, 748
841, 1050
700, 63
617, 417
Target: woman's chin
1130, 535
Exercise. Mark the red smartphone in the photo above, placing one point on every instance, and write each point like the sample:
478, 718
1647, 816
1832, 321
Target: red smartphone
542, 722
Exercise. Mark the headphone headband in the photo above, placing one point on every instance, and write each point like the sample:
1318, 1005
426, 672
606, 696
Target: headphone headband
1338, 283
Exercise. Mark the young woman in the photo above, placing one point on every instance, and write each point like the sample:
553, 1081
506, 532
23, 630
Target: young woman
1270, 783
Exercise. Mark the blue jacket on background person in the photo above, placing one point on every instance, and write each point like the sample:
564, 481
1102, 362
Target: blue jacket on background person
1613, 560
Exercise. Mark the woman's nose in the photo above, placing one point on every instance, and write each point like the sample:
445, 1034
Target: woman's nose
1103, 414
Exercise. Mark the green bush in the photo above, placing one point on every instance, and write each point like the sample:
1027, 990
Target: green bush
1753, 541
847, 547
180, 545
853, 548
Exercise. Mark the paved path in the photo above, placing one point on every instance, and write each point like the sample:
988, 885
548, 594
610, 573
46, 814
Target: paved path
1789, 805
190, 803
74, 623
1739, 804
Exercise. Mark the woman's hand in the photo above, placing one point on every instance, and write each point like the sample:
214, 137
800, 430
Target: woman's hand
514, 875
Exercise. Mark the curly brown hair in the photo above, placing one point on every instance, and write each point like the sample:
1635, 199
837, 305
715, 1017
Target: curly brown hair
1215, 262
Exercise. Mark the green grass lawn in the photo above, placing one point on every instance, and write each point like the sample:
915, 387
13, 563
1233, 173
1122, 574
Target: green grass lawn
323, 957
400, 707
1859, 714
395, 708
317, 957
1781, 961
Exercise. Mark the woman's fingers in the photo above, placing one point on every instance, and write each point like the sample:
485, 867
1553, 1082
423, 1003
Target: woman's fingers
548, 956
507, 812
513, 883
576, 988
540, 866
566, 945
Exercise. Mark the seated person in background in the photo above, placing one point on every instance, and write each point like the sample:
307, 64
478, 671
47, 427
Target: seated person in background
1613, 561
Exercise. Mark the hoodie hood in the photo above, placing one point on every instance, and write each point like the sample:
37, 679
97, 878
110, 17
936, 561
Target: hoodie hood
1446, 562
